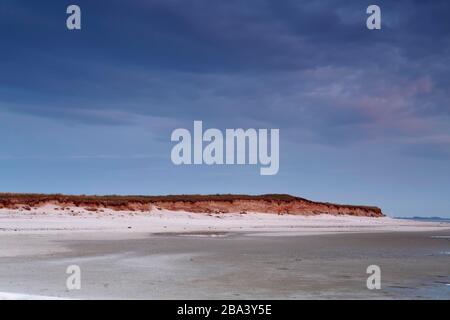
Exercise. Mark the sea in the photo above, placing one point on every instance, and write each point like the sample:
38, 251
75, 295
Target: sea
426, 219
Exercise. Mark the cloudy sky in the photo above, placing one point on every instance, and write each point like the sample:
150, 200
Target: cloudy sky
364, 116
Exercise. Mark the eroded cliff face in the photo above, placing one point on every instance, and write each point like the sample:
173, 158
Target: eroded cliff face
296, 207
276, 204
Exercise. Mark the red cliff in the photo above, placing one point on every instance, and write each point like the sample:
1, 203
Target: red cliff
270, 203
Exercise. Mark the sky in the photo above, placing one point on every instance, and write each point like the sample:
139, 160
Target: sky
364, 115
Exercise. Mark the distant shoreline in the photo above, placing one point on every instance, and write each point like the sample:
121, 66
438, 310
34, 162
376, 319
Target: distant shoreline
428, 219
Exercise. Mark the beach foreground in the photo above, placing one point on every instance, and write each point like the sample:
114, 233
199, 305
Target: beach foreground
179, 255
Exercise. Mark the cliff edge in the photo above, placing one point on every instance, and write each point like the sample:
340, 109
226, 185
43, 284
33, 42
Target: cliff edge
225, 203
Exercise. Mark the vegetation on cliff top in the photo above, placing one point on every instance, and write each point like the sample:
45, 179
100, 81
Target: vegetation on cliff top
34, 198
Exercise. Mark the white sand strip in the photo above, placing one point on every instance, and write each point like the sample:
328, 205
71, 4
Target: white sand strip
53, 219
20, 296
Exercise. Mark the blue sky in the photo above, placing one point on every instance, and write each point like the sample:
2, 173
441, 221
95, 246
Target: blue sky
364, 116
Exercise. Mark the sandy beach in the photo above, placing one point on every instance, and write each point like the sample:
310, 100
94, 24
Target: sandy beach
53, 219
179, 255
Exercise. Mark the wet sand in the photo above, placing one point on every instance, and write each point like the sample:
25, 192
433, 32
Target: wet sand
226, 265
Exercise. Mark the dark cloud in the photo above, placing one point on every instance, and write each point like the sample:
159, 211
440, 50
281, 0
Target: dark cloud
287, 64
